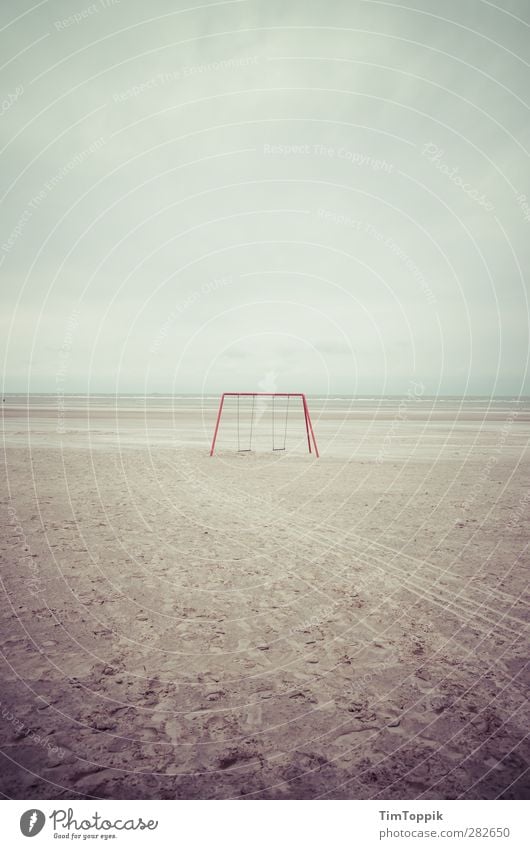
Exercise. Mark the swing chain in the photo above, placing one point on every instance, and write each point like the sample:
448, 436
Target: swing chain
286, 420
238, 445
240, 450
252, 421
285, 426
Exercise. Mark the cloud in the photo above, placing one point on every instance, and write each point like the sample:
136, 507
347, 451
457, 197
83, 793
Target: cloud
150, 151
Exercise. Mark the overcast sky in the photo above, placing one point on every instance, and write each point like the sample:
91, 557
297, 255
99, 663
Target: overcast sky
305, 196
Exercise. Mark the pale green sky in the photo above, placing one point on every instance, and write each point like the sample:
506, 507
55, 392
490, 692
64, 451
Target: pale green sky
312, 196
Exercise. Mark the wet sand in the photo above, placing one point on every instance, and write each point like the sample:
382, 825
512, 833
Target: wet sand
264, 625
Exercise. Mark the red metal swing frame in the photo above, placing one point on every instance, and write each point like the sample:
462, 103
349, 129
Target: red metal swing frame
307, 418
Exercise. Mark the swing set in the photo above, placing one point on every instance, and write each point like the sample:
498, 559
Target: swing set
279, 436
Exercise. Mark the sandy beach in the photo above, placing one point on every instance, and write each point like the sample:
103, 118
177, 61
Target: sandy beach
264, 625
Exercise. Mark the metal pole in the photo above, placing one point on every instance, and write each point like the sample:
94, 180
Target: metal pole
217, 423
306, 424
310, 425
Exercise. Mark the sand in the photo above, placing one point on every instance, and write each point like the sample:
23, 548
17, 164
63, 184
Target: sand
264, 625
